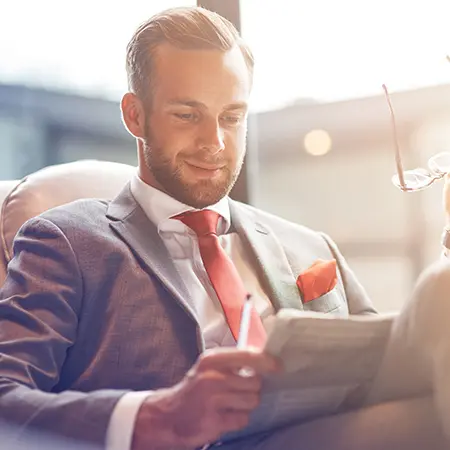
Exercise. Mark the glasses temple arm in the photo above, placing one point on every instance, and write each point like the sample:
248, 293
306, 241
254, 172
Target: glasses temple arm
398, 160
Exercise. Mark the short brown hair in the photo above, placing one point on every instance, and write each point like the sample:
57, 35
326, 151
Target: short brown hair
189, 28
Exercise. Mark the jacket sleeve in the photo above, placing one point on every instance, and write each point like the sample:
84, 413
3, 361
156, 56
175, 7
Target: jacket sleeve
40, 303
357, 299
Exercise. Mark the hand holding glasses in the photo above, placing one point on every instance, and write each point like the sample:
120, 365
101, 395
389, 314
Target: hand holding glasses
420, 178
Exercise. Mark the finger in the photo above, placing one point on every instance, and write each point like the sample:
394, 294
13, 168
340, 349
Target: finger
233, 360
233, 420
238, 383
214, 381
236, 401
446, 199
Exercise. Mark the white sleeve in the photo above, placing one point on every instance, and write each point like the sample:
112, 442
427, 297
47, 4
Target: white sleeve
121, 425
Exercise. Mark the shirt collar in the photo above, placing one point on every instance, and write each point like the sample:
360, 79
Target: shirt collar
160, 207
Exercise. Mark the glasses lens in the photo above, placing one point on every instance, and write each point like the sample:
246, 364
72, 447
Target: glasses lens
414, 180
440, 163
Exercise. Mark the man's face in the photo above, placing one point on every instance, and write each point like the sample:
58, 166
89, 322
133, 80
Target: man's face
194, 139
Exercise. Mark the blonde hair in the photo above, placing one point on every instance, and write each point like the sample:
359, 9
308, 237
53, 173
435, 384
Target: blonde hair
190, 28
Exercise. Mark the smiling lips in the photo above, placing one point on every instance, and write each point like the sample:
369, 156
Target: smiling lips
205, 166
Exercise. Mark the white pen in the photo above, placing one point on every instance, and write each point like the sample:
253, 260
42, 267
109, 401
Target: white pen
245, 323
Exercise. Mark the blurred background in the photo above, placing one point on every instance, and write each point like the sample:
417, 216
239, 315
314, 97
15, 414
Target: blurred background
320, 141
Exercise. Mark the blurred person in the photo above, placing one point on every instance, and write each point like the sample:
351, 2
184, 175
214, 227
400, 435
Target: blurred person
446, 205
118, 320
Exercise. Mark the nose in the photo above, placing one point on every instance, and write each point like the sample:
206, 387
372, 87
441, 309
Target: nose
212, 137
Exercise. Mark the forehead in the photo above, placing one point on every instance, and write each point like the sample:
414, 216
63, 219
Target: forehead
212, 77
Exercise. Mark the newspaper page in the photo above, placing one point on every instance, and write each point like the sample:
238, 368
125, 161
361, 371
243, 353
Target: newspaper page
327, 360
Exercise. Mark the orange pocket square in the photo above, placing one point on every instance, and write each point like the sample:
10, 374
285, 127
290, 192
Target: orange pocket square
317, 280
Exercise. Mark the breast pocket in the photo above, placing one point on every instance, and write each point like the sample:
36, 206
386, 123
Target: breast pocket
327, 303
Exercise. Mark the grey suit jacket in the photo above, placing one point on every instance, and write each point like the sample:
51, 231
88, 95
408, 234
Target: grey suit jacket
93, 307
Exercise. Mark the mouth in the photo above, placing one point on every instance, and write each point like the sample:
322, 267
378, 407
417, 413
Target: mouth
205, 167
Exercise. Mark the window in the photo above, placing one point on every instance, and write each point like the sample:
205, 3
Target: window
325, 50
62, 72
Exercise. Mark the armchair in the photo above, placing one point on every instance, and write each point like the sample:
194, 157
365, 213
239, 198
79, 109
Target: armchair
51, 187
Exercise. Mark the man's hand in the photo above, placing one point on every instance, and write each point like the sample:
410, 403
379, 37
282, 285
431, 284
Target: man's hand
211, 400
446, 200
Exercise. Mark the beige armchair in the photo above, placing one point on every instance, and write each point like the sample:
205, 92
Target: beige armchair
5, 188
397, 425
50, 187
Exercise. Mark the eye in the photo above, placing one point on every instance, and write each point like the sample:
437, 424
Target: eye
186, 117
232, 120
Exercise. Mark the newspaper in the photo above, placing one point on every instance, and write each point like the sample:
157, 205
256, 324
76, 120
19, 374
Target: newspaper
329, 363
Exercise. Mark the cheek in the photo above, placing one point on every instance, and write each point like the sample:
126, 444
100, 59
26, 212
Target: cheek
239, 139
235, 146
169, 138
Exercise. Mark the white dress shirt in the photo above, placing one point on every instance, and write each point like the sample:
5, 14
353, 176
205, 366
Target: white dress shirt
182, 245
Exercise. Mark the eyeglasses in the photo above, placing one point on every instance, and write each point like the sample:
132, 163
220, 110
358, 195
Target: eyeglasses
420, 178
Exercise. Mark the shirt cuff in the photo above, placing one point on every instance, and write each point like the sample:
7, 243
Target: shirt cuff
121, 425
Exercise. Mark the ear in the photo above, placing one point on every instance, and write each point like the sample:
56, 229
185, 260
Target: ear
133, 115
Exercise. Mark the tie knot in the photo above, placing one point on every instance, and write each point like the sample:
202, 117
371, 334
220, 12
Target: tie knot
200, 222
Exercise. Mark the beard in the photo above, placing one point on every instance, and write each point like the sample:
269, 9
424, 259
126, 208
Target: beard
172, 178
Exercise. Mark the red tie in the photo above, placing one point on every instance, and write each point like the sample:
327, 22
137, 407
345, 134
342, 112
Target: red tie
223, 274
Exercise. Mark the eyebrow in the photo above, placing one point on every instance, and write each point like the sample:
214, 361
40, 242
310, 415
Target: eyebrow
196, 104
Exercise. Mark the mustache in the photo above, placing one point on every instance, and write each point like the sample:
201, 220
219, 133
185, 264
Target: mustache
203, 156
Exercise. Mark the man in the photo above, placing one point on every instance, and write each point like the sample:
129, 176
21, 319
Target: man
15, 439
108, 307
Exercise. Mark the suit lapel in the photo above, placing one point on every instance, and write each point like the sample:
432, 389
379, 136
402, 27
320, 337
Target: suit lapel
130, 222
276, 273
